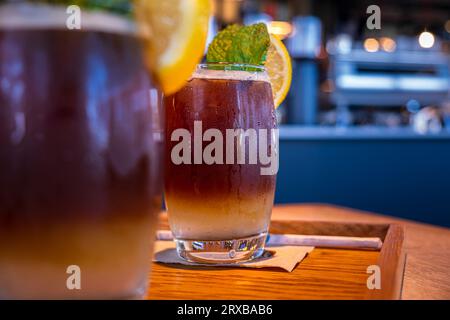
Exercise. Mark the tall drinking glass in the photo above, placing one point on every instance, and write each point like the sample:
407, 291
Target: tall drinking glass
80, 148
221, 163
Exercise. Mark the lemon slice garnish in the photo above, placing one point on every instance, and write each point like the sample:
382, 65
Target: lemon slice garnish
176, 33
279, 68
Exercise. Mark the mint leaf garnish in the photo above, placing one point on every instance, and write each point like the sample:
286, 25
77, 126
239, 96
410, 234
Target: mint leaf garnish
240, 44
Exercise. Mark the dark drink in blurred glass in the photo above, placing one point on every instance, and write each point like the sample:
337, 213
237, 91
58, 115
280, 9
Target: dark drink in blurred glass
80, 148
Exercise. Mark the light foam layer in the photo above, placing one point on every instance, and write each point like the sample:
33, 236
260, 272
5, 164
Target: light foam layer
113, 258
202, 73
234, 218
41, 16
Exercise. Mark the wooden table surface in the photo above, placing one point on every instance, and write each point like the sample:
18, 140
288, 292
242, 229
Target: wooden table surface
427, 271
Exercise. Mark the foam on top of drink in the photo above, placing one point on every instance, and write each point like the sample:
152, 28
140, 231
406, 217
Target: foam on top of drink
202, 73
20, 16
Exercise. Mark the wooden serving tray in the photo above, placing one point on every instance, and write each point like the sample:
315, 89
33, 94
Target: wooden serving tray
323, 274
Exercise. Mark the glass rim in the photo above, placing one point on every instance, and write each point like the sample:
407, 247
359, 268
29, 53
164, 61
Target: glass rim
121, 7
16, 15
230, 71
231, 66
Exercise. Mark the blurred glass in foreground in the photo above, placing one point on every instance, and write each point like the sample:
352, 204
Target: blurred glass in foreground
80, 147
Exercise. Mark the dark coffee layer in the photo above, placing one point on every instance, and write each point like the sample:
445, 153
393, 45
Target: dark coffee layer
76, 128
222, 105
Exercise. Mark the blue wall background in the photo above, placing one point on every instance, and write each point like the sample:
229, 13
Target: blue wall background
395, 173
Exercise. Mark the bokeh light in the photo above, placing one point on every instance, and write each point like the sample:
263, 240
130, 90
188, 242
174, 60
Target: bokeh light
388, 44
426, 40
371, 45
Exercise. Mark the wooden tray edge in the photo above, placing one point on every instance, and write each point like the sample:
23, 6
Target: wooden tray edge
391, 261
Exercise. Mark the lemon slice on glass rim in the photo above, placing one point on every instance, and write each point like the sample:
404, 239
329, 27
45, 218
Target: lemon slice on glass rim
279, 69
176, 33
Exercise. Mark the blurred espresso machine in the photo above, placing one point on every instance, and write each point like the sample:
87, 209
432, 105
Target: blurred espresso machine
407, 76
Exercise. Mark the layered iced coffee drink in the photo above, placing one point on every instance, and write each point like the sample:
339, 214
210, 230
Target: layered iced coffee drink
219, 189
80, 148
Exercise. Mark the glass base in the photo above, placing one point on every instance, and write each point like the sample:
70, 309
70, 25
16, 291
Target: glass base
222, 251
